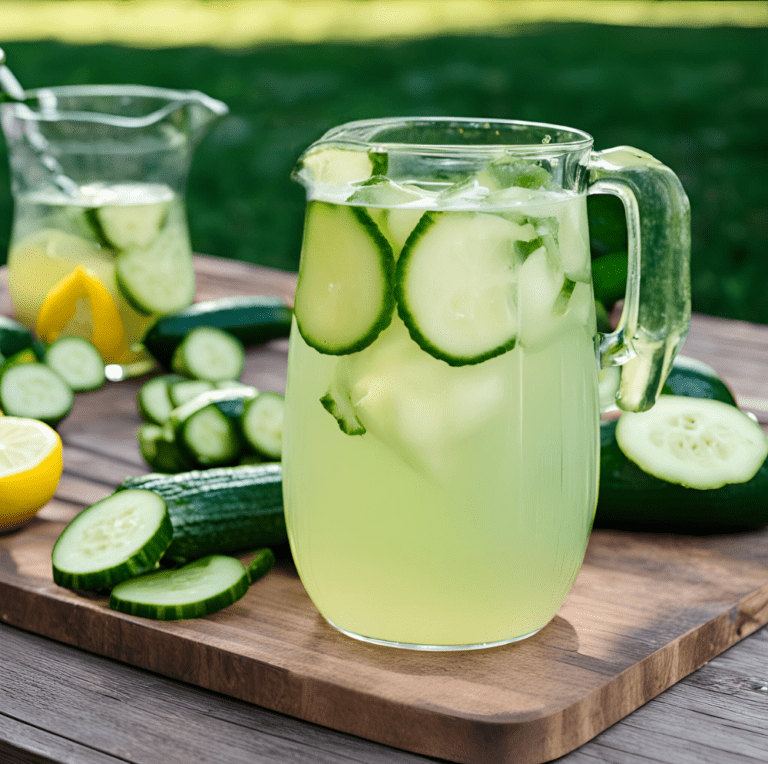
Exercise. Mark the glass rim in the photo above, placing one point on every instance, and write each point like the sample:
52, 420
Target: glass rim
48, 112
363, 133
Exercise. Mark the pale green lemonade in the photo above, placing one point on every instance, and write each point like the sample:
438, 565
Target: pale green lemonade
461, 516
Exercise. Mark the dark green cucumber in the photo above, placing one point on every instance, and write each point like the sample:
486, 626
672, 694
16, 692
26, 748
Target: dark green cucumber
630, 499
220, 510
252, 320
693, 379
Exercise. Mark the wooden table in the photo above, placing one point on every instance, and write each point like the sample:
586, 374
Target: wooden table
61, 704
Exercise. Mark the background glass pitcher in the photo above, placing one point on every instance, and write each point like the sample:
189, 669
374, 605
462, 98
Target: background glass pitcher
443, 399
100, 228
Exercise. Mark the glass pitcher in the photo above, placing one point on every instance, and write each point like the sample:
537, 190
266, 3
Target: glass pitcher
440, 465
99, 242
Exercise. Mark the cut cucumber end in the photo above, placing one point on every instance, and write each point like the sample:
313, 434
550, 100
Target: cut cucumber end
211, 354
77, 362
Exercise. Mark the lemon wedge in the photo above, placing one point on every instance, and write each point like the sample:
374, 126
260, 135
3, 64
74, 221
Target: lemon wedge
60, 305
30, 468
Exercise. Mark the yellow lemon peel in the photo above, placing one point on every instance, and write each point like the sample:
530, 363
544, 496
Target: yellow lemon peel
60, 305
30, 468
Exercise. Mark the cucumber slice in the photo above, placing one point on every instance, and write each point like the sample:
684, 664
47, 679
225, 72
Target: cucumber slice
197, 589
209, 353
337, 165
210, 437
252, 320
78, 363
158, 448
187, 390
36, 391
694, 442
338, 404
130, 226
112, 540
456, 285
260, 565
344, 296
153, 398
207, 428
159, 279
262, 424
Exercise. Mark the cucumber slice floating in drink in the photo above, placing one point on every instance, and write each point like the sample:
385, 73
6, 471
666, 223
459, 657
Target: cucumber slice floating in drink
159, 279
130, 226
456, 285
344, 295
337, 165
695, 442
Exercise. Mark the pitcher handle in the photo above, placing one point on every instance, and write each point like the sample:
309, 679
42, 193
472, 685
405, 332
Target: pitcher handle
637, 357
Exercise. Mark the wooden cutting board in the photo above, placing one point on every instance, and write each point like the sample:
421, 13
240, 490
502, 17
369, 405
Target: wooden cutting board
646, 609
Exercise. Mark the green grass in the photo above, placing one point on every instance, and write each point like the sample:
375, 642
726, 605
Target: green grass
697, 99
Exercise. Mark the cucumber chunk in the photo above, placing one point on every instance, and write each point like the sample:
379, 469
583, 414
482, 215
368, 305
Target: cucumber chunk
209, 353
159, 279
112, 540
694, 442
153, 398
344, 296
262, 424
338, 403
456, 285
78, 363
36, 391
197, 589
336, 165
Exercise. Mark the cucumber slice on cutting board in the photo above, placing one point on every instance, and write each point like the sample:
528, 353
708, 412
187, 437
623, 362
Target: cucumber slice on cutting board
456, 284
197, 589
112, 540
344, 296
694, 442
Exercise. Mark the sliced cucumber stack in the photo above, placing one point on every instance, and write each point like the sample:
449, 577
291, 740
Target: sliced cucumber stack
77, 362
209, 353
456, 284
112, 540
694, 442
197, 589
344, 296
158, 448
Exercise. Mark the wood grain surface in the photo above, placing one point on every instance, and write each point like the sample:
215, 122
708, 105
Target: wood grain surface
646, 610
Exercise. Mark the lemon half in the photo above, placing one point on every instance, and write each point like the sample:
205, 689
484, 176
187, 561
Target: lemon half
30, 468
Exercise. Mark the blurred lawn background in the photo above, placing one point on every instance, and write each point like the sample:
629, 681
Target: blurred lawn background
685, 81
